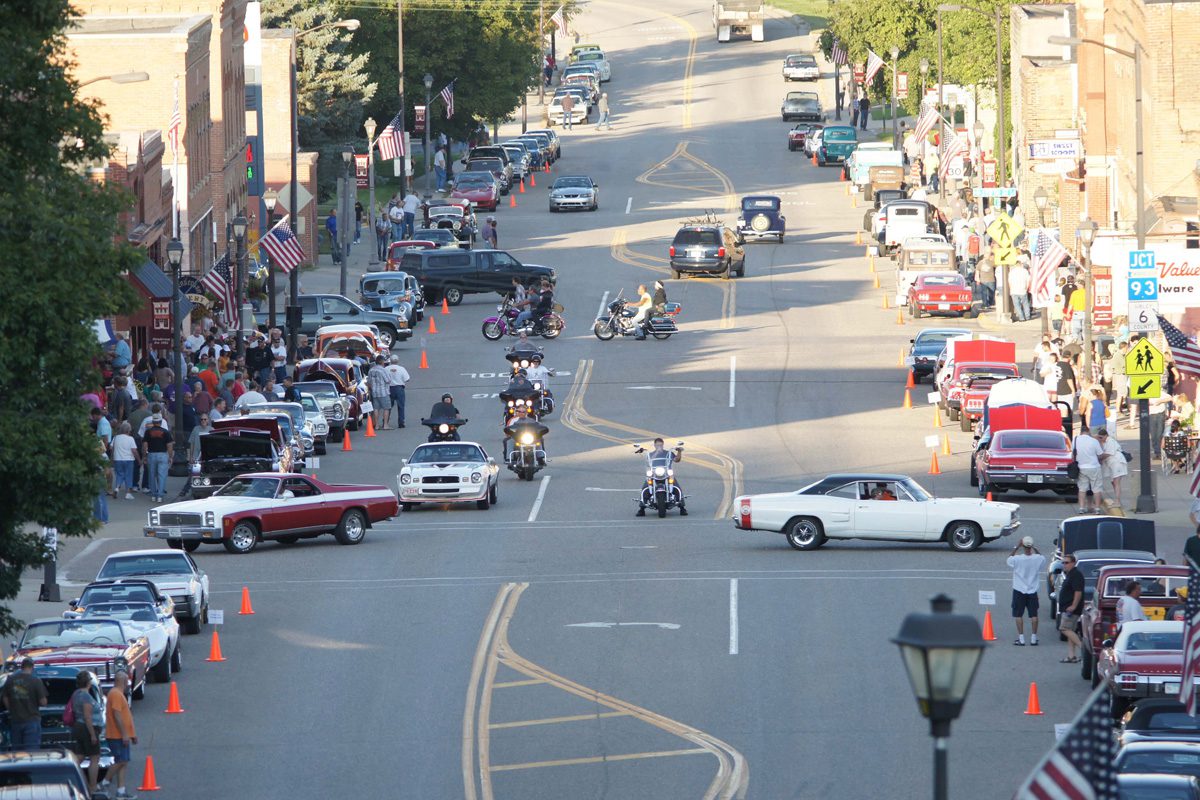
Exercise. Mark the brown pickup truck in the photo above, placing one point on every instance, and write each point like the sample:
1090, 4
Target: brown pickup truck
1160, 585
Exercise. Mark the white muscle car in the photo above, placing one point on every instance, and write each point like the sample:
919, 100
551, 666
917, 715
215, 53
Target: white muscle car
448, 472
874, 506
143, 619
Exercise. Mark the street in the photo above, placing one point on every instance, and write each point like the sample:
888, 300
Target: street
555, 646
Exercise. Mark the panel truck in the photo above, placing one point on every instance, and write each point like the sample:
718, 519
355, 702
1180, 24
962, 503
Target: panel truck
738, 17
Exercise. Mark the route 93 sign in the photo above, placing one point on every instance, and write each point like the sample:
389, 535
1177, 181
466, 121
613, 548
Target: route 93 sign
1174, 281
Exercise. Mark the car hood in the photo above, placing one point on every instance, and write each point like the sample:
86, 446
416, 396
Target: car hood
967, 504
442, 466
219, 445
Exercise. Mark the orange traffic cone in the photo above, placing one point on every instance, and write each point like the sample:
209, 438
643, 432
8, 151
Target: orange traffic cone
533, 179
247, 609
814, 160
989, 633
432, 326
876, 280
370, 434
445, 306
214, 652
910, 383
173, 706
934, 469
870, 262
512, 200
844, 175
424, 361
885, 299
937, 417
346, 446
522, 189
989, 497
149, 782
1033, 708
907, 399
899, 317
546, 167
946, 444
858, 237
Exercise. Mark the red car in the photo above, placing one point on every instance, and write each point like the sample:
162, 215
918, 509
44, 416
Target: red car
1145, 660
1160, 585
97, 644
965, 390
797, 135
480, 189
396, 250
939, 293
1024, 459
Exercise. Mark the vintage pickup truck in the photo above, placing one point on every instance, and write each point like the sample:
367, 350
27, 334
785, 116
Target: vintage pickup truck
1160, 585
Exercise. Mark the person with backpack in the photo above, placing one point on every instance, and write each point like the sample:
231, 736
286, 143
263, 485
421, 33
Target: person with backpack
80, 715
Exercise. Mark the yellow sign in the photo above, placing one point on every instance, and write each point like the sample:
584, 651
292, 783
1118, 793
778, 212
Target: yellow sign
1003, 256
1144, 359
1144, 387
1004, 230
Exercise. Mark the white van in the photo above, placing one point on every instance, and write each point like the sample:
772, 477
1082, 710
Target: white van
900, 219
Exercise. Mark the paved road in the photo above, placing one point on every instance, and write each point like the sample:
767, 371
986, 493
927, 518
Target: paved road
554, 646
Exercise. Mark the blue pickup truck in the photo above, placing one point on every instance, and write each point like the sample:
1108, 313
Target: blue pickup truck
837, 143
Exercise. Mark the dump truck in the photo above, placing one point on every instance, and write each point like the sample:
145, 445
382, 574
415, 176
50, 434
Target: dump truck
738, 16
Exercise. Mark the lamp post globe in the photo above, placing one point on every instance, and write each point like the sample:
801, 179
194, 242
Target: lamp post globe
428, 81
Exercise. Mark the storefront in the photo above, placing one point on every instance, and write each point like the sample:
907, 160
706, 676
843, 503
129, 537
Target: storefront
149, 328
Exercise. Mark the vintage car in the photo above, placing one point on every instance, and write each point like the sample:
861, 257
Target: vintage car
315, 422
798, 135
939, 293
1161, 585
579, 49
801, 67
99, 645
1157, 720
873, 220
918, 256
837, 143
266, 506
295, 425
175, 573
160, 630
900, 220
1090, 562
1144, 660
597, 58
396, 251
441, 237
1098, 532
327, 334
926, 347
352, 346
874, 506
812, 141
448, 472
332, 404
964, 393
1022, 447
868, 155
394, 290
480, 189
588, 79
54, 771
122, 590
345, 375
761, 217
1158, 769
802, 107
455, 216
497, 167
882, 178
574, 192
235, 445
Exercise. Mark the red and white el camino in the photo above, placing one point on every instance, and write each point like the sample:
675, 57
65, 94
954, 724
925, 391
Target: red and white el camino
267, 505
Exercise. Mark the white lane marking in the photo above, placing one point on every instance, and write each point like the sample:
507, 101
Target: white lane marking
603, 305
628, 205
732, 379
639, 547
652, 388
537, 504
599, 489
733, 616
670, 626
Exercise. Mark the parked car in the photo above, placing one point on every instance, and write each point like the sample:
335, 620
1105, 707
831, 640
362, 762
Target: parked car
812, 142
1159, 758
837, 143
393, 291
901, 220
455, 274
317, 310
519, 156
1144, 660
396, 250
761, 217
574, 192
556, 113
926, 347
1144, 786
315, 422
441, 238
333, 405
1160, 593
481, 190
801, 67
455, 216
532, 151
801, 106
943, 293
553, 143
1090, 562
296, 422
597, 58
237, 445
712, 249
160, 630
498, 168
54, 768
1159, 719
346, 376
797, 136
1104, 541
448, 472
101, 646
175, 573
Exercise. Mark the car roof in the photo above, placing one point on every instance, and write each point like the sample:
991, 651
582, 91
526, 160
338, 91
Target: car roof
154, 551
1160, 745
865, 476
760, 197
1130, 555
1151, 626
45, 755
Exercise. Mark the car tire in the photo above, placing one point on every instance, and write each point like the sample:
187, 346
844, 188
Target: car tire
322, 449
353, 527
594, 207
492, 493
676, 274
741, 272
963, 536
804, 533
387, 336
139, 691
453, 295
974, 479
176, 659
953, 413
406, 506
1085, 664
193, 625
553, 210
728, 273
964, 422
791, 148
242, 539
161, 672
484, 504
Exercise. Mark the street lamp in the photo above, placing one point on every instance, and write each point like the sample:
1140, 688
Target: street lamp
1041, 199
895, 112
1001, 148
428, 125
240, 224
270, 199
1087, 234
175, 260
941, 653
924, 67
346, 210
370, 126
120, 77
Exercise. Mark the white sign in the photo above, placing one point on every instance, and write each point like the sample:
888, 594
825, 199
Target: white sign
1051, 149
1142, 316
313, 463
931, 441
987, 598
1060, 730
216, 617
368, 407
1176, 268
50, 539
933, 397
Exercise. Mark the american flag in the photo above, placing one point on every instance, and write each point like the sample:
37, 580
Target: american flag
447, 96
559, 20
283, 246
219, 281
928, 116
874, 64
956, 148
1191, 641
839, 56
1080, 767
175, 124
1048, 253
391, 141
1185, 351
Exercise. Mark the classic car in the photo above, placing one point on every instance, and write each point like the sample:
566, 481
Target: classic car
707, 249
798, 135
1022, 447
315, 422
1160, 593
175, 573
441, 237
812, 142
1098, 532
122, 590
874, 506
1159, 759
160, 630
588, 78
899, 220
801, 67
866, 156
557, 114
498, 168
52, 772
801, 106
99, 645
836, 145
574, 191
917, 256
761, 216
519, 156
480, 189
1133, 785
266, 506
342, 373
872, 218
965, 391
333, 405
394, 290
235, 445
1159, 719
579, 49
596, 57
350, 346
295, 423
396, 251
926, 347
448, 472
1090, 561
939, 293
1145, 660
455, 216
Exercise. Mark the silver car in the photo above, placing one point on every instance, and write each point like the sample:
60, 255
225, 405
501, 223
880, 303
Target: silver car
802, 107
315, 422
574, 192
173, 572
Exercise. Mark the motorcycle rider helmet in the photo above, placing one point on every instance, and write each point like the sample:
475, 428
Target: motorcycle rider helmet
536, 358
446, 397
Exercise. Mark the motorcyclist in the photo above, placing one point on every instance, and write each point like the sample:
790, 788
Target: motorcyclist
660, 298
642, 310
543, 306
540, 376
519, 384
533, 297
517, 297
522, 350
674, 456
444, 408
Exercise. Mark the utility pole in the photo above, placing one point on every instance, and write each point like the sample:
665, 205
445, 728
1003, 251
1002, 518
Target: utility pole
941, 103
400, 69
542, 50
1001, 139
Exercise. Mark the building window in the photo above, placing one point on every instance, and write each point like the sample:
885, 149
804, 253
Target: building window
1193, 235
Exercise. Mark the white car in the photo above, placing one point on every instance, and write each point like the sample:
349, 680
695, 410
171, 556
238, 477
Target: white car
315, 422
142, 619
874, 506
448, 472
175, 574
801, 67
598, 59
579, 112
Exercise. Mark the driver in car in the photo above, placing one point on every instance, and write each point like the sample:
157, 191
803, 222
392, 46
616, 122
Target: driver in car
881, 492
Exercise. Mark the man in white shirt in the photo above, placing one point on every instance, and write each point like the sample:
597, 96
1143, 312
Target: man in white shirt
278, 354
439, 168
1018, 289
1089, 454
1129, 608
1027, 564
193, 343
395, 215
250, 397
411, 204
397, 377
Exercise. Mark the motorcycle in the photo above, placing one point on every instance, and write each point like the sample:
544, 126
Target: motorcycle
520, 359
545, 399
525, 404
620, 321
496, 328
528, 454
660, 491
443, 429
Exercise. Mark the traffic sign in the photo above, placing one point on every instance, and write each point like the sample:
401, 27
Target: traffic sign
1141, 259
1143, 316
1143, 288
1004, 230
995, 191
1004, 256
1143, 359
1145, 387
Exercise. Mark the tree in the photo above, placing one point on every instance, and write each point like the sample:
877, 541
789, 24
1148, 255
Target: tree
332, 82
62, 270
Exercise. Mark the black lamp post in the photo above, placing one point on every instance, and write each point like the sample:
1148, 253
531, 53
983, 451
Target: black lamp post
428, 125
895, 53
941, 652
924, 66
1041, 199
270, 200
175, 260
240, 224
350, 182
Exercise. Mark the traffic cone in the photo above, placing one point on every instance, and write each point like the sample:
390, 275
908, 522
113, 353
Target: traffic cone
814, 160
546, 167
910, 383
937, 417
432, 326
445, 307
247, 609
522, 189
885, 299
989, 633
907, 399
173, 706
424, 361
858, 237
214, 652
533, 179
512, 200
346, 446
149, 782
934, 469
1033, 708
876, 280
899, 317
844, 175
989, 497
370, 434
946, 444
871, 262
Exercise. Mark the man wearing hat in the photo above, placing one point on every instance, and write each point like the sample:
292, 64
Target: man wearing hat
1027, 564
157, 449
23, 695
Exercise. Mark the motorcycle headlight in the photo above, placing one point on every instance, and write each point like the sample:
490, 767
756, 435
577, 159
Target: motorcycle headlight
500, 308
210, 519
537, 386
670, 472
405, 479
443, 428
659, 472
526, 438
524, 363
649, 472
476, 477
510, 403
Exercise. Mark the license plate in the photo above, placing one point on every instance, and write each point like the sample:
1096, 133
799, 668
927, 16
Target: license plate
173, 533
695, 252
1170, 688
1037, 478
943, 306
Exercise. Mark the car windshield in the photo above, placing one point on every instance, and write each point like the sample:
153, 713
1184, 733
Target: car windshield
994, 373
136, 612
767, 203
485, 163
1161, 762
1172, 720
839, 135
925, 258
70, 632
801, 61
322, 390
1090, 568
111, 594
434, 234
446, 211
309, 404
943, 280
594, 55
937, 337
1030, 440
473, 183
696, 236
145, 564
249, 487
443, 453
802, 96
572, 183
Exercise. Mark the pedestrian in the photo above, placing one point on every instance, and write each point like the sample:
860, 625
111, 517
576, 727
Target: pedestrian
191, 418
303, 348
1191, 548
202, 429
120, 402
1158, 423
210, 376
1096, 410
290, 393
395, 215
1088, 455
1070, 603
853, 113
1026, 563
1018, 289
1129, 608
278, 349
335, 249
864, 110
488, 233
1114, 467
382, 229
201, 399
439, 170
157, 448
124, 458
603, 122
931, 166
258, 360
411, 204
398, 377
547, 70
23, 696
358, 221
379, 382
219, 410
985, 276
568, 107
1068, 382
86, 718
119, 733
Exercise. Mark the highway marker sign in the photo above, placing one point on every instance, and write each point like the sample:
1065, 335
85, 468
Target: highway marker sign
1143, 316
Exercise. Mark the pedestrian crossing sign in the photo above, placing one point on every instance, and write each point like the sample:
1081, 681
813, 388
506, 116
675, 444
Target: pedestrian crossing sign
1004, 230
1144, 359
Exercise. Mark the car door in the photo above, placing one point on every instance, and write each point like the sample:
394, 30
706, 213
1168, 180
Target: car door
307, 508
877, 516
503, 268
309, 321
837, 509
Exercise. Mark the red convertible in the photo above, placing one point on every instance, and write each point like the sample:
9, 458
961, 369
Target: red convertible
479, 188
939, 293
99, 645
267, 505
1023, 447
798, 134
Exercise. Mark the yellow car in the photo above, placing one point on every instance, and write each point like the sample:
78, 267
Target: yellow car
583, 48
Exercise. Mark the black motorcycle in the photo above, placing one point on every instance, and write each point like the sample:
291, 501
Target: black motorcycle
521, 359
619, 321
660, 491
545, 399
528, 453
443, 429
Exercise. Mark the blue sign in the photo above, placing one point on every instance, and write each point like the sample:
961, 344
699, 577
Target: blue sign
996, 191
1141, 259
1143, 289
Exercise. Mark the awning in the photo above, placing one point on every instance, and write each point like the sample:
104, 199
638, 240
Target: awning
157, 284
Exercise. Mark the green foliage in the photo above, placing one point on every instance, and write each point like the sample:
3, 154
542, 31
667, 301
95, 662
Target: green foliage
332, 81
60, 271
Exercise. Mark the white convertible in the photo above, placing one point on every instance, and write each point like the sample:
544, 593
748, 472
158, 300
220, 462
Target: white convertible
448, 472
142, 619
874, 506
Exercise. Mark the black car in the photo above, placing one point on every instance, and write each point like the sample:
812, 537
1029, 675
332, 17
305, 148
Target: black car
454, 273
1160, 719
442, 237
761, 217
707, 249
54, 764
226, 454
1159, 758
319, 310
924, 350
498, 167
530, 147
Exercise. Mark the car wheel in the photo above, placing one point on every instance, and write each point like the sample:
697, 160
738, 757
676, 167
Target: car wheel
741, 273
161, 672
804, 533
492, 494
322, 449
1095, 674
139, 691
954, 414
483, 504
964, 536
1085, 664
406, 506
242, 539
453, 295
192, 625
553, 210
975, 477
352, 529
387, 336
728, 273
676, 274
594, 207
791, 148
964, 422
176, 659
288, 539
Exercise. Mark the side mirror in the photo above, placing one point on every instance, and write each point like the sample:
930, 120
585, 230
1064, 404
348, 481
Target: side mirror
912, 341
491, 461
404, 462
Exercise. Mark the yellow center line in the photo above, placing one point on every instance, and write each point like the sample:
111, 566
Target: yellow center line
690, 30
554, 720
567, 762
